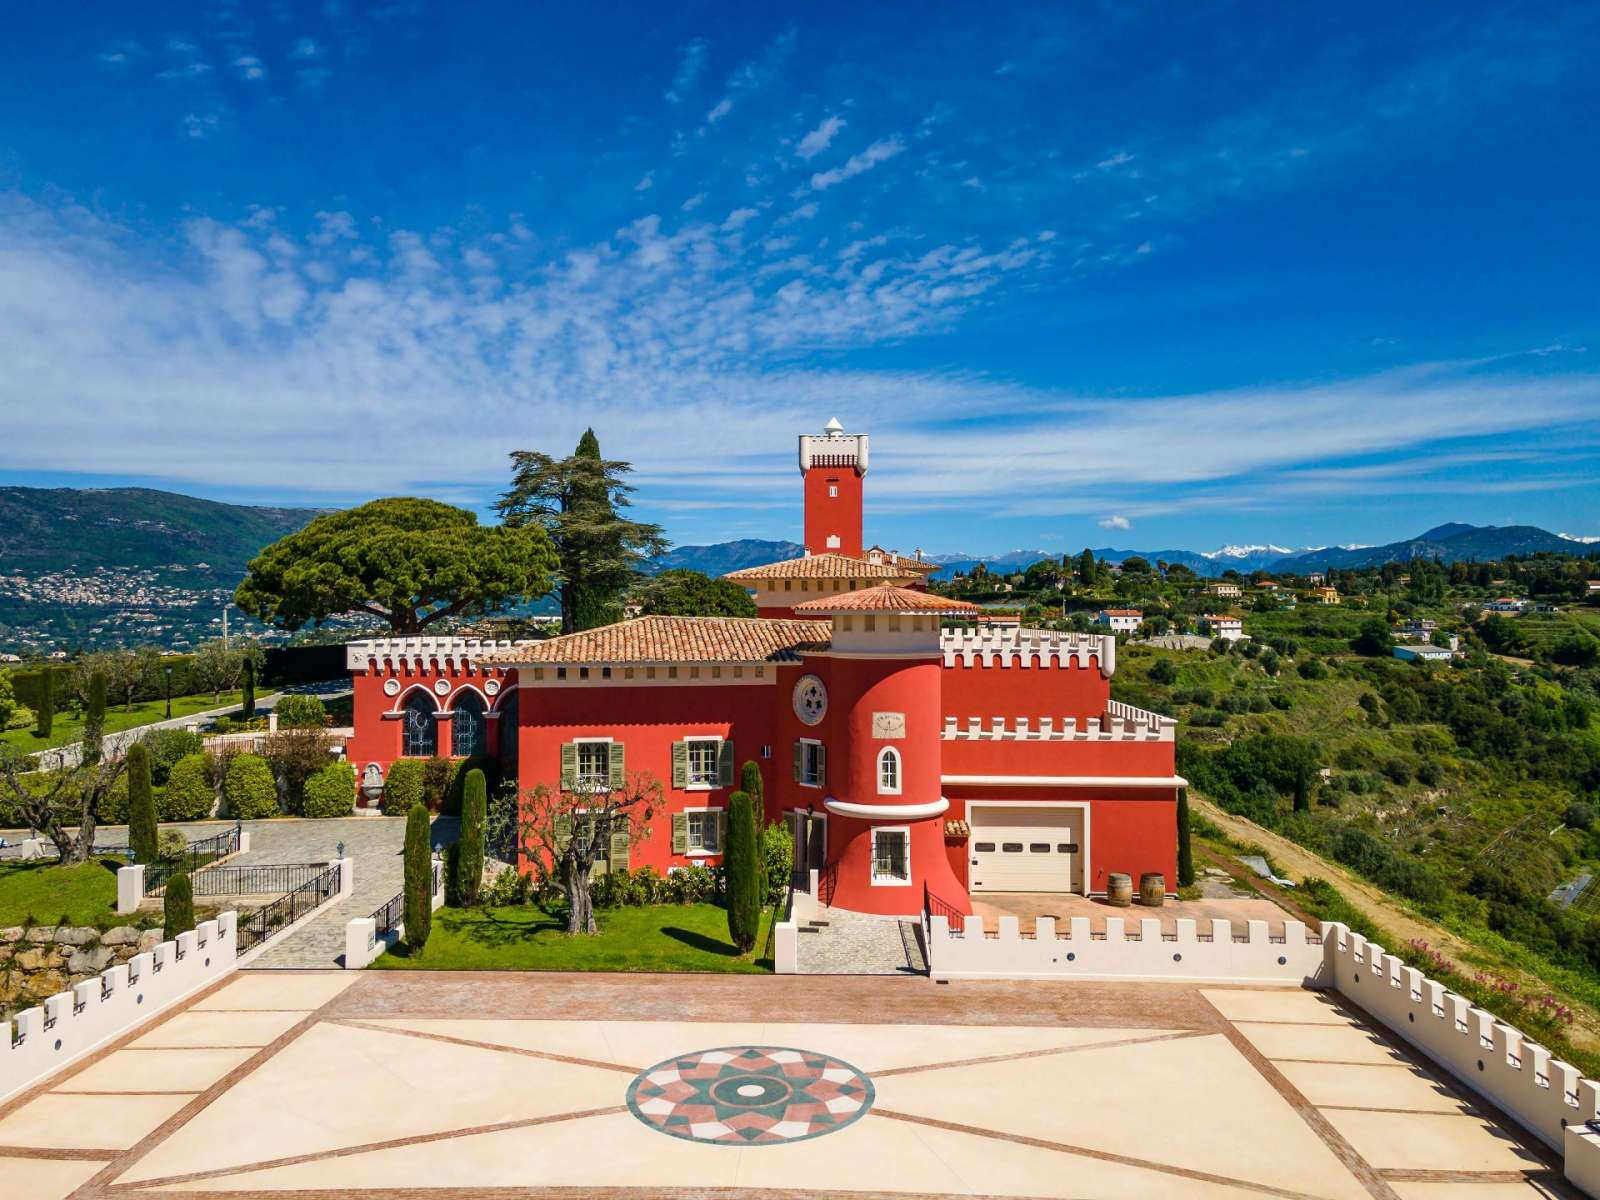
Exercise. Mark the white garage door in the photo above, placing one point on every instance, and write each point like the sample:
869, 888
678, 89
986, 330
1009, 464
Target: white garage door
1025, 849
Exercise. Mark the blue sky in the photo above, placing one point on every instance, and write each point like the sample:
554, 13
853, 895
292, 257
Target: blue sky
1154, 277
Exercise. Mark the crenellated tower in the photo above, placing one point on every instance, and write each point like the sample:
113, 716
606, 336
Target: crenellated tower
834, 466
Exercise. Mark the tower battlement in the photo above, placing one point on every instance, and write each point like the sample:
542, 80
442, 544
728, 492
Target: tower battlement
833, 465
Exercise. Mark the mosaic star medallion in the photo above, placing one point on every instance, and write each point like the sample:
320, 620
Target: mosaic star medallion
750, 1095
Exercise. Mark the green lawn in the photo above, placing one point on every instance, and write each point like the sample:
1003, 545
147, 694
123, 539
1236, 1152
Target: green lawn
68, 726
32, 894
667, 937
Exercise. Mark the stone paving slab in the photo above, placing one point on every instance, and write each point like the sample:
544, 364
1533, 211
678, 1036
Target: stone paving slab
857, 944
479, 1086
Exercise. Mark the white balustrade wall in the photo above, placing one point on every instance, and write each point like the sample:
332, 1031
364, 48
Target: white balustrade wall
1209, 952
40, 1041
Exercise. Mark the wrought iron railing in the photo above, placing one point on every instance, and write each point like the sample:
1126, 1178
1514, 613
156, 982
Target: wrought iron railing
193, 856
932, 907
256, 927
827, 883
261, 880
386, 918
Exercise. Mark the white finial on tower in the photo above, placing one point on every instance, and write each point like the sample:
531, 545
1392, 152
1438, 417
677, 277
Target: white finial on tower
833, 428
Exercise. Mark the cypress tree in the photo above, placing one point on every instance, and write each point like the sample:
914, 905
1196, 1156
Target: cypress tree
141, 805
248, 703
177, 907
418, 902
94, 720
45, 714
745, 884
1185, 851
469, 850
750, 782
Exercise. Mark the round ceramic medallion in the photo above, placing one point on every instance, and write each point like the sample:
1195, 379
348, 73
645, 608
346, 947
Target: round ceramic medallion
391, 687
491, 687
442, 687
810, 699
750, 1095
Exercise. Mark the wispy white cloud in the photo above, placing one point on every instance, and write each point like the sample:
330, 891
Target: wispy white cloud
305, 49
879, 152
250, 67
646, 182
1114, 523
691, 62
820, 138
200, 126
719, 110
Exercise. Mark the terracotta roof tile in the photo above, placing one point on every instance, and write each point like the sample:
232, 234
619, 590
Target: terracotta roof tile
886, 598
673, 639
820, 566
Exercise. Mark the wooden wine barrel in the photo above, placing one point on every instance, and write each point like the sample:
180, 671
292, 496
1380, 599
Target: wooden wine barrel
1119, 890
1152, 889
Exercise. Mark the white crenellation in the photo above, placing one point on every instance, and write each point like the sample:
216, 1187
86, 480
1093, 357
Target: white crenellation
39, 1042
1544, 1094
995, 646
1121, 723
1213, 951
418, 653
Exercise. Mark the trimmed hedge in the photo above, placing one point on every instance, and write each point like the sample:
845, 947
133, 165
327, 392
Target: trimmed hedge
301, 712
166, 747
402, 788
249, 788
331, 792
418, 902
189, 795
466, 858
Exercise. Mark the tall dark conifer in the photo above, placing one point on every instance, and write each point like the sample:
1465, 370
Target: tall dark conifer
578, 501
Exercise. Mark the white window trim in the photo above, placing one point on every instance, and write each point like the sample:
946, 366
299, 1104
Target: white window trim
899, 768
716, 765
885, 882
692, 853
577, 777
817, 742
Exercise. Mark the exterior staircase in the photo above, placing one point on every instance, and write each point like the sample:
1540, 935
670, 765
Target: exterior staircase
836, 942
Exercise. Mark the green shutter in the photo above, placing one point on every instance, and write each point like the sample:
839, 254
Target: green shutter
680, 832
563, 830
722, 829
725, 763
616, 760
822, 766
569, 766
680, 767
619, 850
799, 762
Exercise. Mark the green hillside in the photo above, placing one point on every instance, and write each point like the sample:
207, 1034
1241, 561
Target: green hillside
79, 529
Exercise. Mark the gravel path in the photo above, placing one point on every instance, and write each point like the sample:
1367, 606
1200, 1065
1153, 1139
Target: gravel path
856, 944
376, 845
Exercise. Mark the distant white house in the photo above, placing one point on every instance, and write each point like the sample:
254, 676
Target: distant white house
1230, 591
1424, 653
1593, 586
1418, 629
1506, 606
1228, 628
1120, 620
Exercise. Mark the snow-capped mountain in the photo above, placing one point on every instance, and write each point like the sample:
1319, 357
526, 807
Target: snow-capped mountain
1577, 537
1247, 551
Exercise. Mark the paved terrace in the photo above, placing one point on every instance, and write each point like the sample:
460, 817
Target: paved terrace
389, 1085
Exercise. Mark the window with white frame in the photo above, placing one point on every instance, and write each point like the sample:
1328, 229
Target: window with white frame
704, 830
891, 855
889, 772
810, 763
703, 761
594, 764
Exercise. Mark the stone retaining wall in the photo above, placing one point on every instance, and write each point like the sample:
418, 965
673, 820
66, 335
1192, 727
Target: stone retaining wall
41, 961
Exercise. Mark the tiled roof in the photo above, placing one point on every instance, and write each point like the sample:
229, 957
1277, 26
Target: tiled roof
886, 598
1122, 612
920, 565
674, 639
820, 566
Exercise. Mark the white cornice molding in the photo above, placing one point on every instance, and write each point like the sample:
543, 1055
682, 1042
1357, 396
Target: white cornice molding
1068, 781
887, 812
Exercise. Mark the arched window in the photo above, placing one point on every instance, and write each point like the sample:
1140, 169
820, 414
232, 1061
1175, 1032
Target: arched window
419, 738
469, 732
889, 772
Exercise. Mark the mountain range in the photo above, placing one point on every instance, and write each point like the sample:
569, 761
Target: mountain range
90, 566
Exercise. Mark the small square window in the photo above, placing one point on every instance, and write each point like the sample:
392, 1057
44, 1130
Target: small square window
583, 672
703, 830
891, 856
703, 762
605, 672
811, 764
561, 672
833, 489
594, 764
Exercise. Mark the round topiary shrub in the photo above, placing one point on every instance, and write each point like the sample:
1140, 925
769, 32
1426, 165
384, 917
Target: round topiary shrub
403, 787
331, 792
301, 712
249, 788
189, 795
